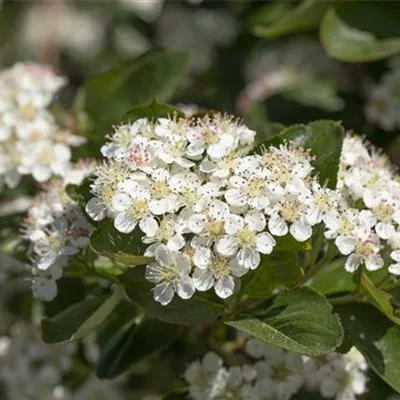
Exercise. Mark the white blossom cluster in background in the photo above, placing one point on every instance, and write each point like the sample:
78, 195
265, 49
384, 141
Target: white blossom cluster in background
31, 141
367, 179
31, 369
273, 373
383, 99
208, 211
56, 229
297, 67
196, 29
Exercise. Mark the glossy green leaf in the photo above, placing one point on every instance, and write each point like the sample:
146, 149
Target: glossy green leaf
151, 110
200, 308
79, 319
121, 247
275, 270
132, 343
107, 97
376, 337
333, 278
304, 17
382, 18
300, 320
380, 298
347, 43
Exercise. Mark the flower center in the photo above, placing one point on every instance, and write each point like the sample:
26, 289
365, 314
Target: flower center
139, 209
215, 228
255, 188
384, 212
220, 267
160, 189
290, 210
246, 238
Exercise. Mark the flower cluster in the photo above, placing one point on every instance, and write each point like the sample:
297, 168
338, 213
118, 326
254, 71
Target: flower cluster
56, 229
31, 141
208, 211
370, 184
298, 67
31, 369
383, 104
273, 373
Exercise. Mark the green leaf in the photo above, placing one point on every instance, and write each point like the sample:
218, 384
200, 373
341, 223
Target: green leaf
380, 298
306, 16
107, 97
299, 320
347, 43
325, 139
275, 270
376, 337
333, 278
200, 308
133, 343
121, 247
151, 110
79, 319
378, 17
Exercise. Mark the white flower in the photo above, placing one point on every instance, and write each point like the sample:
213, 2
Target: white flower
207, 378
215, 271
168, 233
133, 209
291, 212
245, 239
360, 250
170, 273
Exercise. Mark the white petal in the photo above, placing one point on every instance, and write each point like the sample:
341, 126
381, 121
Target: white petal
374, 262
227, 246
95, 209
149, 226
384, 231
197, 223
202, 257
395, 255
185, 288
163, 293
248, 258
352, 263
41, 173
218, 210
121, 202
237, 269
159, 207
300, 231
345, 244
333, 220
233, 224
124, 222
265, 243
164, 256
45, 289
176, 242
235, 197
224, 287
182, 263
203, 279
394, 269
277, 225
255, 220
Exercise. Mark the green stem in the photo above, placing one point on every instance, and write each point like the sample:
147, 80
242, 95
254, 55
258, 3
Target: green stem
348, 298
330, 254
